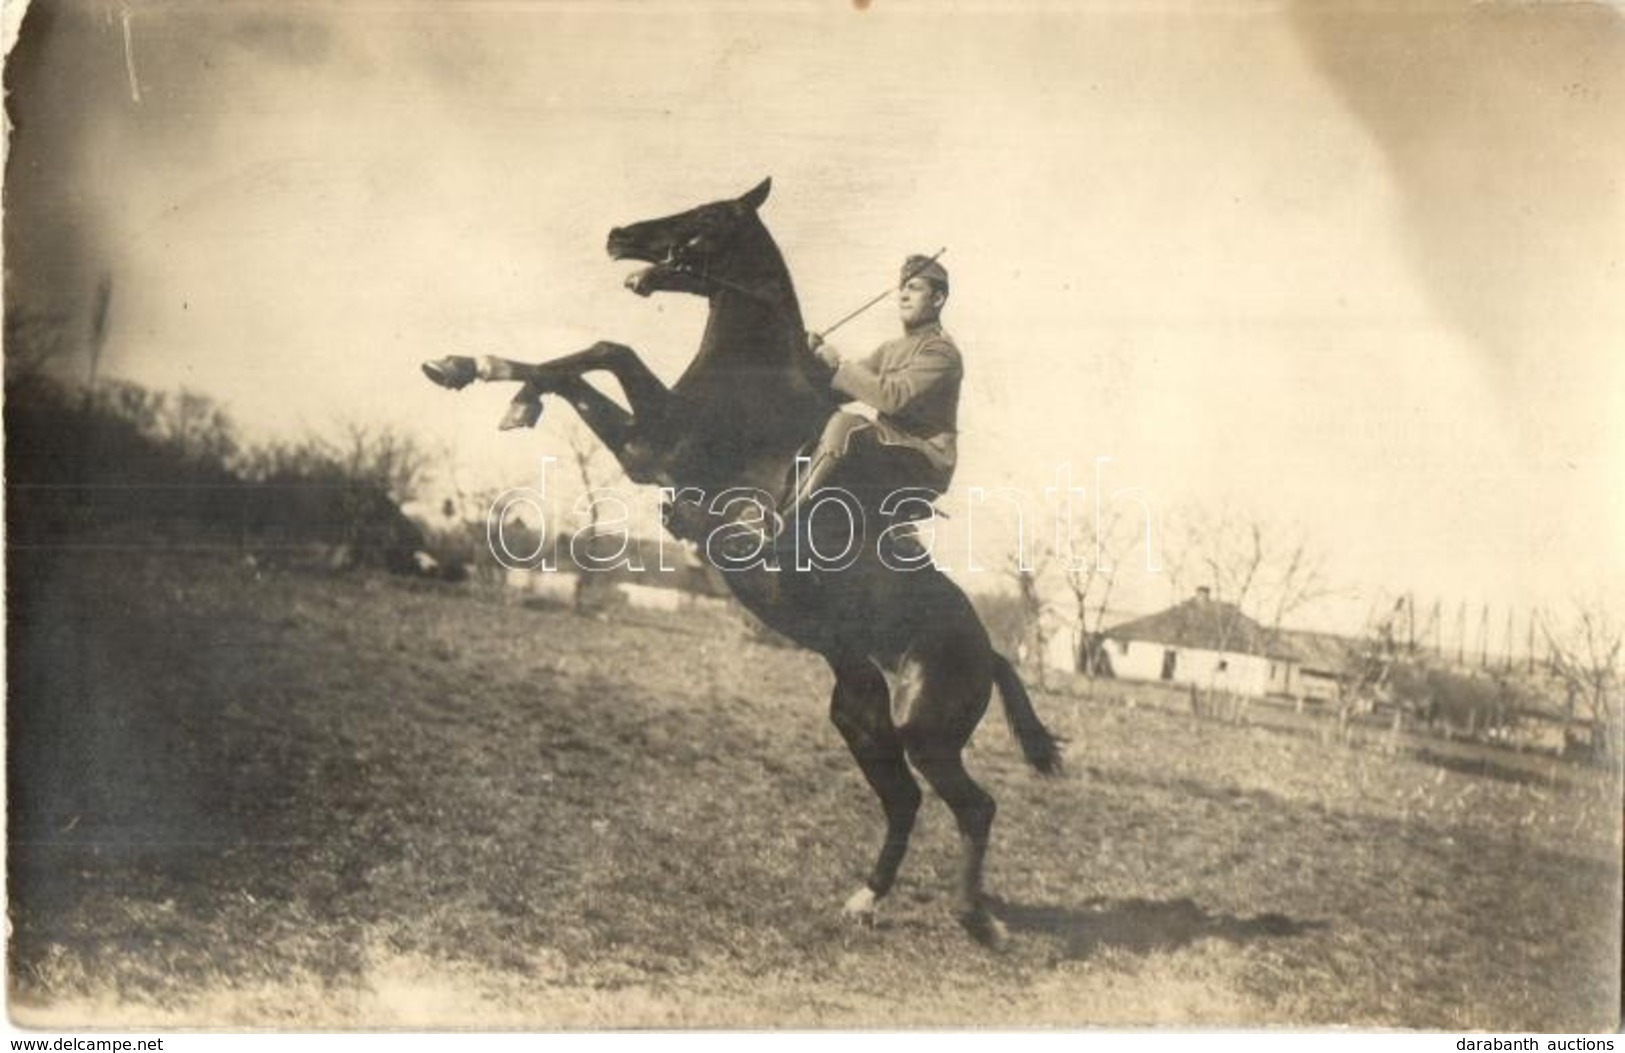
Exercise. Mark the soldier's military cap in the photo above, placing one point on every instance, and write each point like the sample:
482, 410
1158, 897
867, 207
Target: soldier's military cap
924, 267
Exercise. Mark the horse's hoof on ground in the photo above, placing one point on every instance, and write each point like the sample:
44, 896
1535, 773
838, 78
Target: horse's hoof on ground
522, 413
985, 929
860, 906
453, 371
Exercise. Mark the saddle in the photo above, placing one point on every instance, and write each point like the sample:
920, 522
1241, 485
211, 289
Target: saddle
867, 483
872, 506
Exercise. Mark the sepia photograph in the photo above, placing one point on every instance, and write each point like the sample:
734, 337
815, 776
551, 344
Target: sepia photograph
579, 516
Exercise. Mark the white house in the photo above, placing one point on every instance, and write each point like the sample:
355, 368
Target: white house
1204, 642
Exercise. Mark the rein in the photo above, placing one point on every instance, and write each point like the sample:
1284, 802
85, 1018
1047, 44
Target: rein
704, 274
681, 266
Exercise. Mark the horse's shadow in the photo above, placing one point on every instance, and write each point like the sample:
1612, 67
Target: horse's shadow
1141, 926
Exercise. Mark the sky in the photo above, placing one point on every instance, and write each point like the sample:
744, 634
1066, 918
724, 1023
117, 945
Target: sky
1356, 272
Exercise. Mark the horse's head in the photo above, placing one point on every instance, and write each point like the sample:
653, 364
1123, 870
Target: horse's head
694, 251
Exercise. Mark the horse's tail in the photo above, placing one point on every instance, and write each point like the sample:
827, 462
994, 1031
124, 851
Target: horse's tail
1042, 749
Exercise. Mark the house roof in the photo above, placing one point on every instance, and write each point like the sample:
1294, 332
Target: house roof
1213, 625
1199, 622
1321, 652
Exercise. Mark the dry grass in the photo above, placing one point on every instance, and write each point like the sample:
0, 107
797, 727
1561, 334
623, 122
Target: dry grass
284, 801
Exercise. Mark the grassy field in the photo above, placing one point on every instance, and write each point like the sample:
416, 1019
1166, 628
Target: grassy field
275, 799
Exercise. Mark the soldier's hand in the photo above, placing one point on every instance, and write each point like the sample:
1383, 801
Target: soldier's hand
826, 354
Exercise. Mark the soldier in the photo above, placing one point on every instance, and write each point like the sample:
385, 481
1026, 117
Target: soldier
912, 384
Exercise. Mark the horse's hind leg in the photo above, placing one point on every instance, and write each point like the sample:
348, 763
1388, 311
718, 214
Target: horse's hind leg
973, 809
942, 704
860, 710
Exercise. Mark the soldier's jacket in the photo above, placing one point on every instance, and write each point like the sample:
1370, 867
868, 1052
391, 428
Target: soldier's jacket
913, 383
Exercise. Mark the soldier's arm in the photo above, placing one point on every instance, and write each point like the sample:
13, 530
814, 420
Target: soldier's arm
931, 367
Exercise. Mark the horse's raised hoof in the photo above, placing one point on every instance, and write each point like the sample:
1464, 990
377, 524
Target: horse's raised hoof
985, 929
453, 371
522, 413
860, 906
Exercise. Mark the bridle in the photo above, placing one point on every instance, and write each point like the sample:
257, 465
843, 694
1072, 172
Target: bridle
676, 260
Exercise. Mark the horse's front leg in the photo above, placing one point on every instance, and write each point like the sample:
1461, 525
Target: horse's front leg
627, 435
644, 391
860, 710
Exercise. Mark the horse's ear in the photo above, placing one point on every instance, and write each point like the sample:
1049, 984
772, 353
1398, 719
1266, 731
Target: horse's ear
753, 200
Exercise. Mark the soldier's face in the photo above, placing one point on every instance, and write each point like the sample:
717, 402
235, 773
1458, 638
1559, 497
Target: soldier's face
919, 302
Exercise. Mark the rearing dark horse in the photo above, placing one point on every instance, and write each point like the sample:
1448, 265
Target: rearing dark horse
913, 665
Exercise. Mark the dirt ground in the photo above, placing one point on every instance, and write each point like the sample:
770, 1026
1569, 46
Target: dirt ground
241, 798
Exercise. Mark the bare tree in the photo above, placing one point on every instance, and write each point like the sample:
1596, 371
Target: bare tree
587, 457
344, 490
1293, 579
1037, 610
1233, 560
594, 471
1180, 539
467, 514
198, 428
33, 341
1257, 569
1090, 577
1266, 571
384, 457
1371, 676
1585, 657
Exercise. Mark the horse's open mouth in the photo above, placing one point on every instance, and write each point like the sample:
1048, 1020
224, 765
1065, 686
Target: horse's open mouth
622, 247
656, 264
670, 260
673, 256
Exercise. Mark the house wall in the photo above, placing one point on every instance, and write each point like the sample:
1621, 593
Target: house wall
1316, 686
659, 598
560, 586
1136, 659
1243, 673
1246, 674
649, 598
